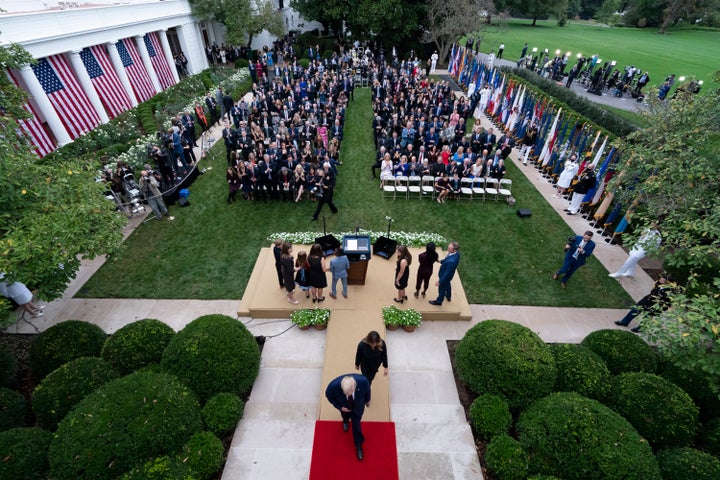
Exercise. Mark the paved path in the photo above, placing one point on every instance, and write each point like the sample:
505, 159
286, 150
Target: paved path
274, 438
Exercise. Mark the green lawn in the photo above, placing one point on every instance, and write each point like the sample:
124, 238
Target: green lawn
209, 250
681, 51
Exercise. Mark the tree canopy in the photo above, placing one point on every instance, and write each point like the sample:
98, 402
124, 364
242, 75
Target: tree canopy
448, 20
242, 19
52, 215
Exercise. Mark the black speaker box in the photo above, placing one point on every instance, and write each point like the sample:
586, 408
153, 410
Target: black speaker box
183, 202
328, 243
524, 212
384, 247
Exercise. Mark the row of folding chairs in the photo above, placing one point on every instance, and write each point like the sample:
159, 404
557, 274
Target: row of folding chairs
470, 188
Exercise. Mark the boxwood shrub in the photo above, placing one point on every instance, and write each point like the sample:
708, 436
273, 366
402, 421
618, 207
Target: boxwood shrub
60, 391
161, 468
696, 383
8, 368
543, 477
660, 411
121, 424
507, 359
204, 454
24, 453
577, 438
580, 370
490, 415
64, 342
222, 413
213, 354
12, 409
688, 464
622, 351
506, 458
709, 439
137, 345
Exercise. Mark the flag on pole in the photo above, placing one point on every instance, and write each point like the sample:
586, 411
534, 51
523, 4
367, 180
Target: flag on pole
106, 82
552, 136
33, 128
139, 78
158, 60
66, 96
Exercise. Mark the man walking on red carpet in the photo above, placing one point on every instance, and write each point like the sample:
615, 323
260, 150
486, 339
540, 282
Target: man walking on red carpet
350, 393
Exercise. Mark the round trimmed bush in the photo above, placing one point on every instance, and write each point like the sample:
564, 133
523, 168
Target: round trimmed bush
204, 454
490, 415
696, 383
506, 458
222, 413
543, 477
241, 63
710, 437
24, 453
688, 464
580, 370
12, 409
573, 437
8, 368
660, 410
143, 415
64, 342
137, 345
507, 359
60, 391
213, 354
161, 468
622, 351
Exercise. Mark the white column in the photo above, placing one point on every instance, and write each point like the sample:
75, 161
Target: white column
121, 73
192, 46
43, 103
87, 86
142, 48
168, 53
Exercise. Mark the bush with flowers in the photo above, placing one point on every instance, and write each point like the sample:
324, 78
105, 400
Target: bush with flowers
309, 317
411, 239
395, 317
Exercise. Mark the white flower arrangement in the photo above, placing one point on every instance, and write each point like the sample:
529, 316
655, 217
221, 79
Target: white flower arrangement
411, 239
305, 317
394, 316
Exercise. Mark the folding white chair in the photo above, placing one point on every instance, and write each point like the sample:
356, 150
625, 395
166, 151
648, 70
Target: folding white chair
479, 187
491, 187
401, 185
466, 187
414, 186
505, 187
389, 189
427, 185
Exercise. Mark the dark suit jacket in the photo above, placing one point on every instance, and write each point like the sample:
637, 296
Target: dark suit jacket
337, 397
448, 265
589, 247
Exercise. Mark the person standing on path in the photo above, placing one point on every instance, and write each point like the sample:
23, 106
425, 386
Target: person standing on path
577, 251
371, 353
585, 183
339, 267
658, 300
350, 393
501, 49
448, 266
650, 239
433, 61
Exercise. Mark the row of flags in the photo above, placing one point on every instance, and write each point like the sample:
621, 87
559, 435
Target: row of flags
559, 133
71, 102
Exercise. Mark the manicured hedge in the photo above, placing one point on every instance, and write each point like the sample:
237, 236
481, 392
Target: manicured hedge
507, 359
23, 453
60, 391
660, 411
141, 416
213, 354
137, 345
204, 454
577, 438
490, 415
161, 468
580, 370
64, 342
688, 464
622, 351
12, 409
697, 384
8, 368
506, 458
709, 439
222, 413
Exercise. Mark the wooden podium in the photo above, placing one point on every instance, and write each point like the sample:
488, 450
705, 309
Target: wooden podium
357, 272
357, 249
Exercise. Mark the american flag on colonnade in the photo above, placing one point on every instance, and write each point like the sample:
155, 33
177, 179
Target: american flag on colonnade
66, 96
139, 78
106, 82
159, 62
33, 128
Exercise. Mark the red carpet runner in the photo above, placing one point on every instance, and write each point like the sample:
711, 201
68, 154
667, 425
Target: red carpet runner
333, 454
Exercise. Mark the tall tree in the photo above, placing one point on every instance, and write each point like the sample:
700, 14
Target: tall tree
535, 8
448, 20
241, 18
52, 215
607, 12
677, 9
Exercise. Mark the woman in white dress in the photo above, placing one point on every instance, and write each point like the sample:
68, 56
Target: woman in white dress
386, 170
21, 295
568, 173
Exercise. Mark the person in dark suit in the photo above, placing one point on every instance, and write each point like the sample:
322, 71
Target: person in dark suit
371, 353
350, 393
577, 251
490, 140
657, 301
448, 266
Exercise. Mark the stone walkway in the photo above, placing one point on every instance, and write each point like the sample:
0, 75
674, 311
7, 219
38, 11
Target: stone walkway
274, 438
